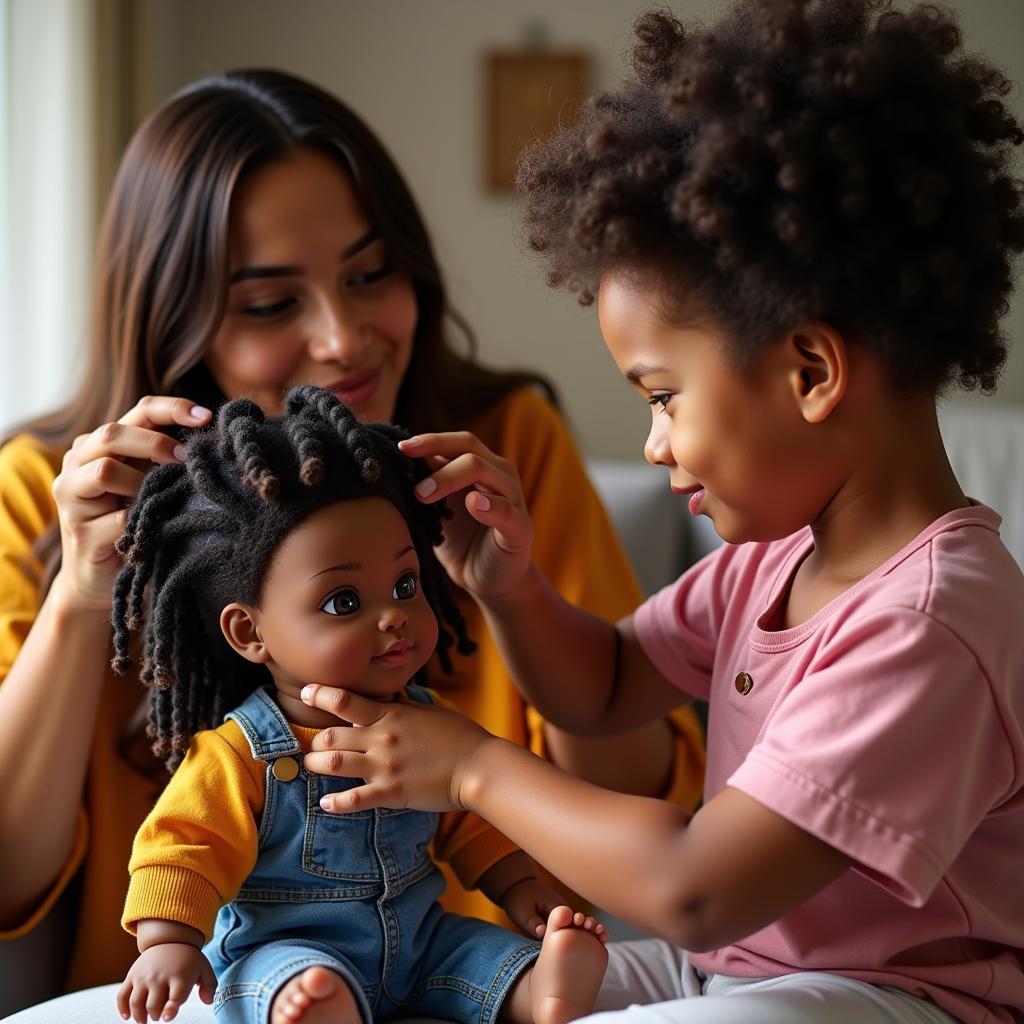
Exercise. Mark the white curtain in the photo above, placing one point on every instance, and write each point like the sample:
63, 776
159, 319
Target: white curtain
47, 198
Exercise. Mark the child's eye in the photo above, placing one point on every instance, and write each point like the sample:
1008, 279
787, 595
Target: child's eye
662, 398
405, 588
270, 310
344, 602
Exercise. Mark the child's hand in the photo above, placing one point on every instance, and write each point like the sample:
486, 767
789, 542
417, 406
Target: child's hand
487, 542
410, 755
529, 903
161, 980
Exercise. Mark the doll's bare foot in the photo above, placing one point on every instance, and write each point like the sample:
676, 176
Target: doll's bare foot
568, 973
316, 996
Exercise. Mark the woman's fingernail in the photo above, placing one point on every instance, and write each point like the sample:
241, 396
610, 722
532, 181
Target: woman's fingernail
198, 412
307, 693
483, 503
325, 802
426, 487
179, 452
410, 442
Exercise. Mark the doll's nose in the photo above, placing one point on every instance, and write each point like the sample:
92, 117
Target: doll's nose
392, 618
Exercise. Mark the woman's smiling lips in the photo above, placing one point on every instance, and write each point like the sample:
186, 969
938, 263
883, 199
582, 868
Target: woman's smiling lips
357, 389
397, 654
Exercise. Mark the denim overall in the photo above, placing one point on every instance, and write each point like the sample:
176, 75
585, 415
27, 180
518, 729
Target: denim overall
356, 893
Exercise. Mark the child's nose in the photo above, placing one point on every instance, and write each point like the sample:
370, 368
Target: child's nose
657, 450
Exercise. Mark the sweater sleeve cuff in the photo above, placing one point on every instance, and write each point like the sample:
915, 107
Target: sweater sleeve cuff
480, 854
68, 872
166, 893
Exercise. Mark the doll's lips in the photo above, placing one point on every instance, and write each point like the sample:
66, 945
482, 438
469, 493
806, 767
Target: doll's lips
397, 653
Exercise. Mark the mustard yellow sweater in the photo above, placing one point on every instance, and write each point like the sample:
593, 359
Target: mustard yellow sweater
200, 842
574, 546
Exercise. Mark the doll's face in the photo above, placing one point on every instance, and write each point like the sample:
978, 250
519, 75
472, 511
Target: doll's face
342, 604
314, 296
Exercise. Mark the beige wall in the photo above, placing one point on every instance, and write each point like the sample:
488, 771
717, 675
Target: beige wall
413, 69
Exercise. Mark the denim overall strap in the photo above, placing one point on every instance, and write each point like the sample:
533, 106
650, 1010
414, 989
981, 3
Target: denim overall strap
264, 727
419, 694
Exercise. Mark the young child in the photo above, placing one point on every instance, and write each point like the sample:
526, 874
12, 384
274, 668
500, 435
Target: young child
282, 552
799, 228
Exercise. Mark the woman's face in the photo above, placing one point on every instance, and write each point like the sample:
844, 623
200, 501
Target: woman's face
313, 296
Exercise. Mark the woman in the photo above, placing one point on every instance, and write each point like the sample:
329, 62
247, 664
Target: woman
258, 236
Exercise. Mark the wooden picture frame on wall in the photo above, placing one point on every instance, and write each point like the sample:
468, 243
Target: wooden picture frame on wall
529, 95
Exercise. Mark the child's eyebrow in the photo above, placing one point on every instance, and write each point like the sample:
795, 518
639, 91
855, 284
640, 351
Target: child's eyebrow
635, 373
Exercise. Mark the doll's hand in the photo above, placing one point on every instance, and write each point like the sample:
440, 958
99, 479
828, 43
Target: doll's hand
410, 755
102, 471
487, 541
529, 903
161, 980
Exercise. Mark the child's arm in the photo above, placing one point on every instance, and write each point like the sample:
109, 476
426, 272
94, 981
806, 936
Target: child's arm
735, 868
583, 674
170, 964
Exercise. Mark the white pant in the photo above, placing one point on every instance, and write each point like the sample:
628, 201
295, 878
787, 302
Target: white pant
651, 982
647, 971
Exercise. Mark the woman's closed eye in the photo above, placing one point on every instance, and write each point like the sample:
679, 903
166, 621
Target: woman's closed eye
406, 587
368, 277
342, 602
267, 311
661, 398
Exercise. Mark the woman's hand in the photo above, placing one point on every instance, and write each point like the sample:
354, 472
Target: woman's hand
411, 755
487, 542
101, 473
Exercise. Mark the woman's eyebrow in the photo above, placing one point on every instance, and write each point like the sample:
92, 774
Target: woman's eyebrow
294, 270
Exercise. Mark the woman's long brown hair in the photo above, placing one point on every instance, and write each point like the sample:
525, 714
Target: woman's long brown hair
160, 277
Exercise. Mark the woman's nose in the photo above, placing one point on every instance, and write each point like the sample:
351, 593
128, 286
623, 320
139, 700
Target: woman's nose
391, 618
337, 334
658, 450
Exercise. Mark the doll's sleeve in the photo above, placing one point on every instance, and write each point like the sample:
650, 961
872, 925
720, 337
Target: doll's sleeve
200, 842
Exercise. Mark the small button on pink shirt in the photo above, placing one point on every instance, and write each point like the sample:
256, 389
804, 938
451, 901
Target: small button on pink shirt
889, 725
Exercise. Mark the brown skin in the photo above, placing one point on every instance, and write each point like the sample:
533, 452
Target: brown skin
341, 602
811, 434
338, 318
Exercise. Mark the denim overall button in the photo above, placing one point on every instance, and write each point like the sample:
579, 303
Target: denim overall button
744, 684
285, 769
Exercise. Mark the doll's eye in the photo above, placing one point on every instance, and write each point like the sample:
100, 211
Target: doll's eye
405, 588
344, 602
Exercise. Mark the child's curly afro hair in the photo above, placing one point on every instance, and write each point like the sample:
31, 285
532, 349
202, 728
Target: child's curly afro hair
802, 159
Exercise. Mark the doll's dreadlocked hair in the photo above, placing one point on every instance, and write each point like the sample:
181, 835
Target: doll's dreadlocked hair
201, 534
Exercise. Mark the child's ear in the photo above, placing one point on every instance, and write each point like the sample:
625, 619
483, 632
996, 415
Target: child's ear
819, 369
238, 623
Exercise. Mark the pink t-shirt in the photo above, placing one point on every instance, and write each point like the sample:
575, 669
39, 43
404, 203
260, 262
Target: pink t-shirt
890, 726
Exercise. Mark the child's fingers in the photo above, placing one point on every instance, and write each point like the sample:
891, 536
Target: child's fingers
470, 470
346, 764
512, 532
361, 798
536, 925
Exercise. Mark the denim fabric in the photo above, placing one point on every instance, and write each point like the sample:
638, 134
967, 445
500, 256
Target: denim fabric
356, 893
